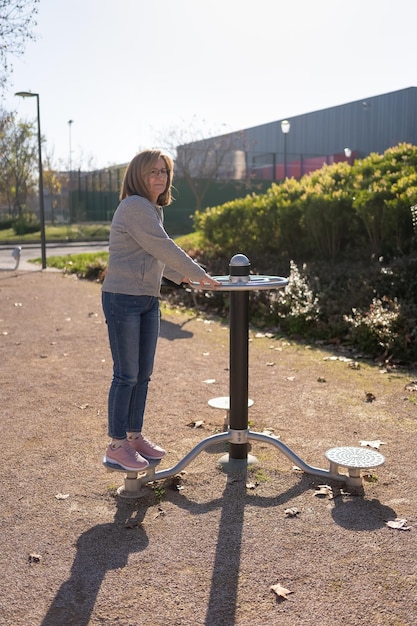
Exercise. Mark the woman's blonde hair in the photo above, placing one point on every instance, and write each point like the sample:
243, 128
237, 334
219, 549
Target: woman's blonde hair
137, 172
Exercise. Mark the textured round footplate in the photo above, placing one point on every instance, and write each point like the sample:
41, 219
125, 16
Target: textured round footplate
360, 458
114, 467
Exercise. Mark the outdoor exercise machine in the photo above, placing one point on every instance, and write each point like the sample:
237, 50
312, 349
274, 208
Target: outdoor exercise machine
239, 283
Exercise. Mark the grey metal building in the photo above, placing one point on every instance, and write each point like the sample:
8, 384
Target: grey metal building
343, 132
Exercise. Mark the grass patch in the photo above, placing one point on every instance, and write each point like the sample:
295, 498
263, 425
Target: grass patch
88, 265
258, 475
61, 232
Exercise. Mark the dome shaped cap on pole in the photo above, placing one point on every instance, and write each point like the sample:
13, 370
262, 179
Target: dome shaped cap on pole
239, 266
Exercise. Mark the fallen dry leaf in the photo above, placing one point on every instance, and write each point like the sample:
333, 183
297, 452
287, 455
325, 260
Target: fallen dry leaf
62, 496
292, 512
280, 591
399, 524
270, 433
372, 444
196, 424
354, 365
161, 513
35, 558
324, 490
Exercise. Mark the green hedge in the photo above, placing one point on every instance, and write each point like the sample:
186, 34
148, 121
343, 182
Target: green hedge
341, 210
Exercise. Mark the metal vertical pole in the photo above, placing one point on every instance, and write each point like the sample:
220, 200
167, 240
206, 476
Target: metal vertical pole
239, 334
41, 198
70, 122
29, 94
285, 155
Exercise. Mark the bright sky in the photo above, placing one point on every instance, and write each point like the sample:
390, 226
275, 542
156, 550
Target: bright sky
128, 72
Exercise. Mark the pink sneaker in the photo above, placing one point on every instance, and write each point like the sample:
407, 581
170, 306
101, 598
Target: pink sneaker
126, 457
146, 448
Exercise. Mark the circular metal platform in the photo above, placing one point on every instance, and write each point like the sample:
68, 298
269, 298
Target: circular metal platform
244, 283
353, 457
224, 403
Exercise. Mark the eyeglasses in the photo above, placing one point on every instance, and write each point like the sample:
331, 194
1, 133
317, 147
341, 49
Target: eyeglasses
154, 173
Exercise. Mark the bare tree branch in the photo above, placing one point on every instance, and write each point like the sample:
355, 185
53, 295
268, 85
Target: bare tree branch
201, 157
17, 18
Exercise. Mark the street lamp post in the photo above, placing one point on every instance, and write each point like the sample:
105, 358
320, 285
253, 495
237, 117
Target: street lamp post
70, 123
285, 128
29, 94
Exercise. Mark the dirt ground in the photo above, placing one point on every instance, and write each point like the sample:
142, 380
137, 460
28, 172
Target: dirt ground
208, 547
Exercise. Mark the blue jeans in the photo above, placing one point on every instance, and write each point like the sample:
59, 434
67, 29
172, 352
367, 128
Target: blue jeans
133, 327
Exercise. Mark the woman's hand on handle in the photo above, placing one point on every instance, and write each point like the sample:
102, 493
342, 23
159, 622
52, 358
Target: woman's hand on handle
210, 281
205, 281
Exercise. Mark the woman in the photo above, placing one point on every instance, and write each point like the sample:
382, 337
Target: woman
141, 253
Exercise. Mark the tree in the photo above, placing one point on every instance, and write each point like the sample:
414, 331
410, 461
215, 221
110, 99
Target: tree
18, 162
17, 18
200, 161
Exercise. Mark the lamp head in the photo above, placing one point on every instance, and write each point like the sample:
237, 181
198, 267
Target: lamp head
285, 127
25, 94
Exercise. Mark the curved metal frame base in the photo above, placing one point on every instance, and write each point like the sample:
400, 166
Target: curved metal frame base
134, 481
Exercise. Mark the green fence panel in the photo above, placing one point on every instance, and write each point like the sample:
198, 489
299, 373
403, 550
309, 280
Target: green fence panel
99, 206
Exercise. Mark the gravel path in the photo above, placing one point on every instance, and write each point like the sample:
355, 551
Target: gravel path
207, 548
